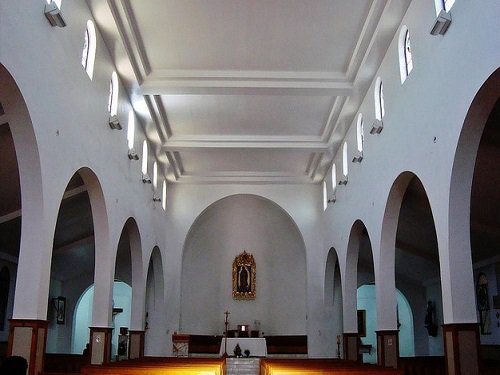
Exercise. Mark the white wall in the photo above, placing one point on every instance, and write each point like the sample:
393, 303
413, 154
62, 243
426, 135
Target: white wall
424, 118
222, 232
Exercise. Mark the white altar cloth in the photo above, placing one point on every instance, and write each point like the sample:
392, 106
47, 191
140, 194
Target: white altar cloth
257, 346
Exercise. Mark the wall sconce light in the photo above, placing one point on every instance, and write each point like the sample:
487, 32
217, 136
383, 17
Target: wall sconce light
54, 15
358, 159
59, 304
114, 123
156, 199
441, 24
344, 181
146, 179
132, 155
332, 199
377, 126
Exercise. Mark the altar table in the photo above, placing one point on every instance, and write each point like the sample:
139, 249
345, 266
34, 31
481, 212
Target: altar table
257, 346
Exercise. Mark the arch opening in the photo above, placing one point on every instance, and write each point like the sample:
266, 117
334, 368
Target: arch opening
219, 234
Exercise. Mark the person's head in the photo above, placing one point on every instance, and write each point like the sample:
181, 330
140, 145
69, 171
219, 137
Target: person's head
14, 365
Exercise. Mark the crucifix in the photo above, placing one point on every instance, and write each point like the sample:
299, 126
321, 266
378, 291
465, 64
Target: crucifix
226, 322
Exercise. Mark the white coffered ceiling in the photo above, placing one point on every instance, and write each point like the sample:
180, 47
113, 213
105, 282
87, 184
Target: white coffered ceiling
258, 91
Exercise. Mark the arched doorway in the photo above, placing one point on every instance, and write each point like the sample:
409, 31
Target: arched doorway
485, 229
417, 269
333, 302
224, 230
72, 265
128, 270
155, 306
474, 198
359, 272
16, 138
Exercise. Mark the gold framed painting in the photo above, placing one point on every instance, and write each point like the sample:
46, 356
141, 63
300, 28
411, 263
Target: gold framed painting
244, 277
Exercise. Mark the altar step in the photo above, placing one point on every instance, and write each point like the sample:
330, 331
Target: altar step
242, 366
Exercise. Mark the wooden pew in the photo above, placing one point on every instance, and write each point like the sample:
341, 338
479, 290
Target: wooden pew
321, 367
159, 366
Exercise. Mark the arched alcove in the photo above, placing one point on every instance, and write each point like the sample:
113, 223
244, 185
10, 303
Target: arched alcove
409, 261
128, 269
416, 259
20, 182
473, 227
485, 227
333, 300
223, 231
155, 306
72, 264
359, 271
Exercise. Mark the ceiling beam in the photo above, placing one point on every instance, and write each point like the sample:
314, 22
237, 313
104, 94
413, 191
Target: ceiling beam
10, 216
83, 240
491, 229
238, 143
417, 251
71, 193
245, 83
67, 194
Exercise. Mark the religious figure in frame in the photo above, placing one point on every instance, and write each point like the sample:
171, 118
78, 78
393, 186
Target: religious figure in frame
244, 276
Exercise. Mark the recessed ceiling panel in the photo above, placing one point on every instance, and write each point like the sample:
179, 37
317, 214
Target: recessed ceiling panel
244, 161
247, 114
284, 35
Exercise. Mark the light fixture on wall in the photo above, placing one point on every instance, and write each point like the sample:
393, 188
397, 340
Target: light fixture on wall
156, 199
332, 199
54, 15
358, 159
442, 23
146, 179
114, 123
132, 155
377, 126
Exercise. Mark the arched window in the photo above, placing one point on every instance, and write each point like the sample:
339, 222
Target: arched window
360, 133
325, 196
4, 295
345, 164
334, 177
379, 99
131, 130
113, 95
89, 49
57, 2
164, 195
405, 56
155, 175
144, 158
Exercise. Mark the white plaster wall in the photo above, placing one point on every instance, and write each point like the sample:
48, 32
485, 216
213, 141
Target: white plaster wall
69, 116
423, 121
222, 232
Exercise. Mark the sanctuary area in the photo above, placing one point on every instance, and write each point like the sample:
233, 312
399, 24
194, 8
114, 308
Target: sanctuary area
250, 187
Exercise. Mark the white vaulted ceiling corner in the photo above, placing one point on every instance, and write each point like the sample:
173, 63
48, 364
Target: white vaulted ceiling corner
247, 91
